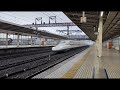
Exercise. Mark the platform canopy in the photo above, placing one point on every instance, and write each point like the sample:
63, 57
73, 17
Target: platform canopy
9, 27
111, 23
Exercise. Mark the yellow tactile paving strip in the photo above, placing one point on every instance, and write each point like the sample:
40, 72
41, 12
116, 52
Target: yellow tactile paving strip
86, 70
71, 72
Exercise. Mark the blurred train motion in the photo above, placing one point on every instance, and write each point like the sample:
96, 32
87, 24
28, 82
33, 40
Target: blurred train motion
69, 44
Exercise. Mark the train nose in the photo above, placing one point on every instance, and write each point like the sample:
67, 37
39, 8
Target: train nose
53, 48
57, 48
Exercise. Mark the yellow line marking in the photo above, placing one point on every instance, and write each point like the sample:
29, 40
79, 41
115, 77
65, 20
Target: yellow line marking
72, 71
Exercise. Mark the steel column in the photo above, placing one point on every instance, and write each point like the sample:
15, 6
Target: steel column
31, 40
119, 43
6, 39
18, 40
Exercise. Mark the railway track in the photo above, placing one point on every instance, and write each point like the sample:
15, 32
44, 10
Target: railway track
28, 66
12, 53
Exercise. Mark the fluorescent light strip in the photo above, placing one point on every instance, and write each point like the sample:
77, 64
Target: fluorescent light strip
101, 13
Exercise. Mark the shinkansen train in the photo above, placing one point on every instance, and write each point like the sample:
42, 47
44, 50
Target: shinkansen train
68, 44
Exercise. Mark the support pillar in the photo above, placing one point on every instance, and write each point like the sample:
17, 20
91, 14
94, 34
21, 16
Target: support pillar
21, 40
99, 71
68, 31
6, 39
119, 43
31, 40
18, 40
99, 37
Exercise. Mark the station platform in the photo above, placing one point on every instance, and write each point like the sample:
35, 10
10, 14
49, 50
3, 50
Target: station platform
86, 65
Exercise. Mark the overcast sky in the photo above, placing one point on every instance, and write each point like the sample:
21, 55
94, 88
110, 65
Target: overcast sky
29, 18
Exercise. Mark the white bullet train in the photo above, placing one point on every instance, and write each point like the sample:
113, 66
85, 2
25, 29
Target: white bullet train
68, 44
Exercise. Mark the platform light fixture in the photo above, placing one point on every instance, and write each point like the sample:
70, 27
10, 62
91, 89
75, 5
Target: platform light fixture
101, 14
94, 28
83, 18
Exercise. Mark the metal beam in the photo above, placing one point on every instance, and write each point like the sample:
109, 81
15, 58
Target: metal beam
50, 25
110, 18
6, 39
18, 40
69, 31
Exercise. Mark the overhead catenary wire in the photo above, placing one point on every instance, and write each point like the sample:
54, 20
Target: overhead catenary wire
27, 19
57, 16
47, 16
64, 21
23, 16
15, 18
